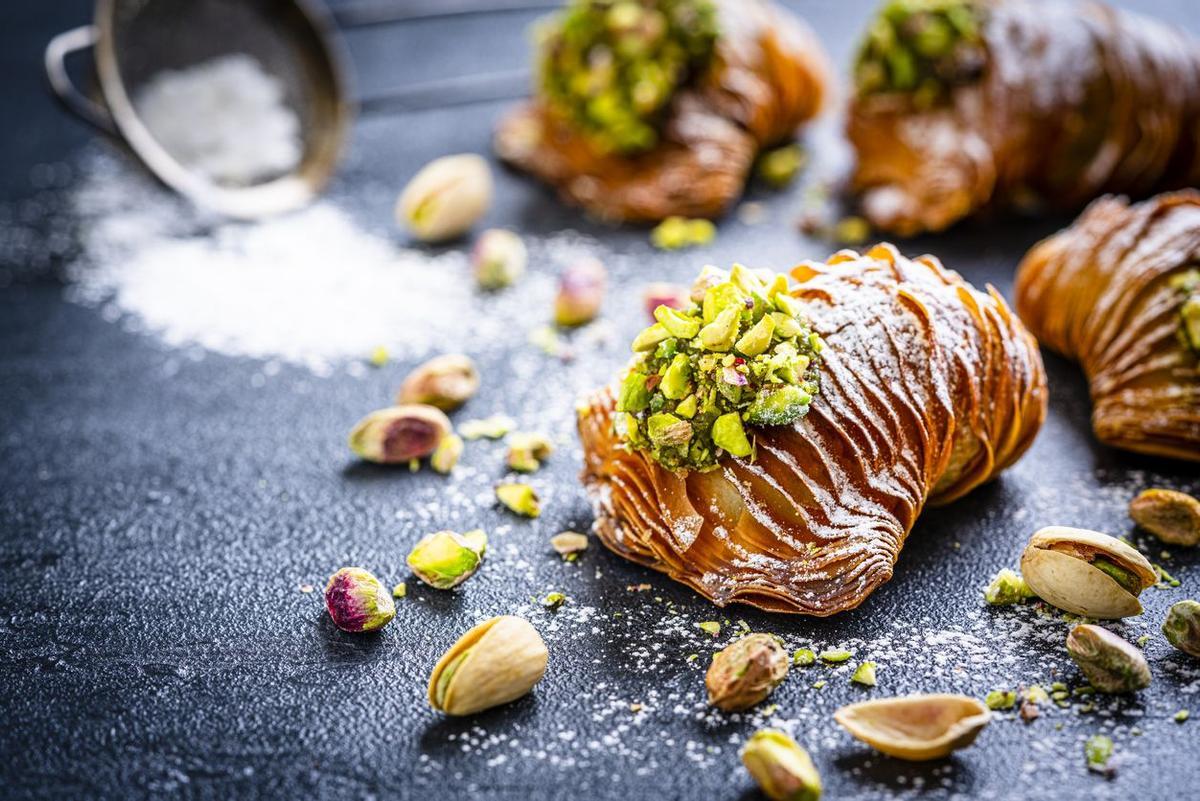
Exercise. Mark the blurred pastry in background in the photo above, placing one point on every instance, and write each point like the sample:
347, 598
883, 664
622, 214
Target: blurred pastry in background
1119, 291
963, 104
773, 443
646, 109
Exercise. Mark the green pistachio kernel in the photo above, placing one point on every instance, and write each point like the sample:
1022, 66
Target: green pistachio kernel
687, 407
634, 395
804, 657
519, 498
649, 338
1000, 699
677, 323
864, 674
758, 338
1189, 316
778, 406
720, 334
554, 600
676, 381
1182, 715
786, 326
1098, 750
668, 431
1007, 588
1125, 578
719, 297
779, 167
727, 433
834, 655
710, 627
444, 559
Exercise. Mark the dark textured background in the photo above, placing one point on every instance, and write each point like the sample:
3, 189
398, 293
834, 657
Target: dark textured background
154, 531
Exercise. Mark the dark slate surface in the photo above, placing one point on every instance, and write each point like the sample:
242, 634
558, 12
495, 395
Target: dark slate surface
154, 531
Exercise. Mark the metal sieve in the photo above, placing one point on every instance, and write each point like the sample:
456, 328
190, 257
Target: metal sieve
293, 40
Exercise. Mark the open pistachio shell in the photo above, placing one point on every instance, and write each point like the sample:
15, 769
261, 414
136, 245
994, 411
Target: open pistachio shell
493, 663
916, 727
1059, 566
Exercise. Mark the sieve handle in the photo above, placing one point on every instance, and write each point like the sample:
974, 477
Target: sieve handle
73, 100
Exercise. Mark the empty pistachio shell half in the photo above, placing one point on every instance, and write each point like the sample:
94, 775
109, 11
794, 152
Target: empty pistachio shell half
1173, 517
1110, 663
916, 727
1086, 572
497, 661
446, 197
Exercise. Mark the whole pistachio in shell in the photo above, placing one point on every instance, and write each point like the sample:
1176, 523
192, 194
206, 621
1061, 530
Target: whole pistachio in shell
745, 672
497, 661
1111, 664
446, 197
357, 601
1182, 627
1086, 572
916, 727
1173, 517
399, 434
782, 769
446, 382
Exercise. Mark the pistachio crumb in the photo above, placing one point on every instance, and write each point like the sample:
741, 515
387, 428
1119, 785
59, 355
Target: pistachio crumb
1098, 750
553, 600
1000, 699
710, 627
804, 657
493, 427
636, 707
864, 674
692, 657
306, 588
400, 590
1007, 588
1182, 715
520, 498
379, 356
834, 655
1141, 641
819, 684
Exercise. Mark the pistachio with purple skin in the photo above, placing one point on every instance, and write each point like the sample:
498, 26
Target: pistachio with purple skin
498, 258
357, 601
399, 434
1110, 663
446, 382
580, 293
1182, 627
746, 672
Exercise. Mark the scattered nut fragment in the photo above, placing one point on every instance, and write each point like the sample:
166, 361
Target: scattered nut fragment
446, 382
1173, 517
1000, 699
1086, 572
779, 167
493, 427
1182, 627
379, 356
851, 231
1032, 698
708, 626
1007, 588
527, 451
400, 590
673, 296
834, 655
1111, 664
494, 663
804, 657
1182, 715
446, 455
357, 601
553, 600
498, 259
675, 233
446, 559
399, 434
745, 672
580, 293
782, 769
864, 674
1098, 750
520, 498
569, 544
446, 197
915, 727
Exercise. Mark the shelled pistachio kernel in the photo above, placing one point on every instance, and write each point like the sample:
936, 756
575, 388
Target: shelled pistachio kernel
493, 427
834, 656
745, 672
1098, 750
580, 293
741, 355
399, 434
445, 559
569, 544
446, 382
446, 197
1182, 627
357, 601
446, 455
781, 768
1000, 699
498, 258
400, 590
1111, 664
553, 600
519, 497
675, 233
1007, 588
864, 674
709, 627
804, 657
1173, 517
527, 451
494, 663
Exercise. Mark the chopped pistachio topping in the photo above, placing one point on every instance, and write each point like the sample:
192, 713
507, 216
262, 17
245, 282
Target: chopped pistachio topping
780, 166
923, 48
864, 674
710, 627
1000, 699
1007, 588
1188, 285
612, 68
1098, 750
740, 356
804, 657
676, 233
834, 655
520, 498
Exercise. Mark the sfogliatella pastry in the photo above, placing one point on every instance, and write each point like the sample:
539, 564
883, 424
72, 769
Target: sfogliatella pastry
773, 444
1119, 291
646, 109
965, 104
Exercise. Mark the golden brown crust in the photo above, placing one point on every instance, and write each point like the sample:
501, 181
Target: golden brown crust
929, 388
1077, 100
1099, 292
769, 75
